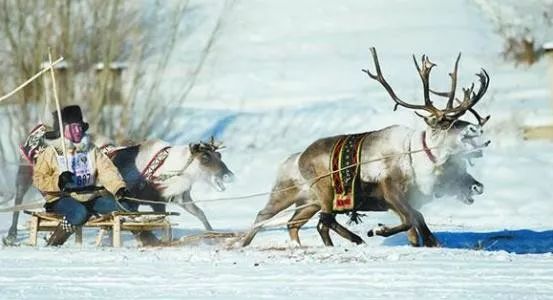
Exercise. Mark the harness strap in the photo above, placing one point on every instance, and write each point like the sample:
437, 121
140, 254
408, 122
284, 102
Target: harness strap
107, 149
155, 163
426, 149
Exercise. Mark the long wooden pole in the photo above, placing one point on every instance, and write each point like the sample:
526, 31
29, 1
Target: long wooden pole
45, 112
31, 79
60, 123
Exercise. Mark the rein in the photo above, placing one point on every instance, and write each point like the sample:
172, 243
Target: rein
312, 181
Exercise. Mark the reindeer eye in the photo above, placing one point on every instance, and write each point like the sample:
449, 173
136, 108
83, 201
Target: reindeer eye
205, 158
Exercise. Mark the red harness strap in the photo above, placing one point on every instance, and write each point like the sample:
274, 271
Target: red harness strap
109, 150
426, 149
155, 163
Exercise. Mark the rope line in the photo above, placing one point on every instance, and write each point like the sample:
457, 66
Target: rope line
311, 181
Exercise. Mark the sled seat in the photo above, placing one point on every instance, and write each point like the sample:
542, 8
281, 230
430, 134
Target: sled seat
116, 222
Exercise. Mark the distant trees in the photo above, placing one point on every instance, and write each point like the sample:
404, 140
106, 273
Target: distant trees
525, 27
116, 55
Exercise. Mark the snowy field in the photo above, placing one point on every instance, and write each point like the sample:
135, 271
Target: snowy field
282, 74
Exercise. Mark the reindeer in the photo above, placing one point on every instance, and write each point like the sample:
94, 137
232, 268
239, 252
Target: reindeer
173, 180
291, 188
391, 169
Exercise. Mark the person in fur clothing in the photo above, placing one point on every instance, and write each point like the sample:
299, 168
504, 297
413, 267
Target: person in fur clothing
83, 183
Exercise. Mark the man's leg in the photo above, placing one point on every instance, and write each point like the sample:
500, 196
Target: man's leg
74, 214
107, 204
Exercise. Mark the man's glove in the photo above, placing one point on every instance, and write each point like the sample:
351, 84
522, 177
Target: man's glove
122, 193
65, 179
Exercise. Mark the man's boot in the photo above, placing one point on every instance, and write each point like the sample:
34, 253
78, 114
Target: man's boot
61, 233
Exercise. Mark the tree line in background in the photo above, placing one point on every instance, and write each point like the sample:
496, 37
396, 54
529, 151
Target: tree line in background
524, 26
116, 54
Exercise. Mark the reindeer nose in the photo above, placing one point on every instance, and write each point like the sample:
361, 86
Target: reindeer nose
477, 188
228, 177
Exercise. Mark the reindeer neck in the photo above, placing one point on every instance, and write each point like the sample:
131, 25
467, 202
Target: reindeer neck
426, 158
433, 145
181, 162
189, 159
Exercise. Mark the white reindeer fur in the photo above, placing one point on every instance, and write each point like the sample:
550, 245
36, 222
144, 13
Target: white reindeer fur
180, 175
391, 143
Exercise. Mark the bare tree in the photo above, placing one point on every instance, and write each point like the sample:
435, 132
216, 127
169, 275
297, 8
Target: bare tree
116, 53
525, 26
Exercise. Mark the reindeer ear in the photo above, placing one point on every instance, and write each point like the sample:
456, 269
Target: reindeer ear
194, 148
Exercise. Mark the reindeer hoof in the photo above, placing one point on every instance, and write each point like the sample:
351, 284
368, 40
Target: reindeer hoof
433, 244
358, 241
10, 240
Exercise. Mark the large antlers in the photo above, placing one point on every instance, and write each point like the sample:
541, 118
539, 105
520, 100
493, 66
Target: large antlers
212, 144
451, 112
424, 73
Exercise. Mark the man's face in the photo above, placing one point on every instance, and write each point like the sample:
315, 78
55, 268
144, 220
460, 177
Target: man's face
73, 132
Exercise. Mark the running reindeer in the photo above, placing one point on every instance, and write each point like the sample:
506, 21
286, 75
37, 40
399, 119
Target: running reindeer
291, 188
156, 171
395, 168
153, 170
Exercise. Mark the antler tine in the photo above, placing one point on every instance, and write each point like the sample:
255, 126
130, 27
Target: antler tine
470, 97
451, 93
484, 84
481, 121
380, 78
453, 76
424, 73
215, 145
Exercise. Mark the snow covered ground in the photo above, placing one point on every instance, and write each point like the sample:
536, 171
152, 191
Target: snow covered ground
283, 73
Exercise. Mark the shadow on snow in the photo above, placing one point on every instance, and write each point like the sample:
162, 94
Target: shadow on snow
514, 241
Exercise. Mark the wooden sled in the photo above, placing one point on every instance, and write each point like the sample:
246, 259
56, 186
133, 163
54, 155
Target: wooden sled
116, 222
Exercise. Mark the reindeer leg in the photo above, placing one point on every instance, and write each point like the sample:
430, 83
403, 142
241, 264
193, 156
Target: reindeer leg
428, 238
330, 220
299, 219
277, 203
323, 228
397, 201
346, 233
413, 237
23, 182
388, 231
192, 208
324, 192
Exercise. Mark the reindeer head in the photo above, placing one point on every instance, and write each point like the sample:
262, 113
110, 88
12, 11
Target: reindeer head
212, 167
443, 120
455, 180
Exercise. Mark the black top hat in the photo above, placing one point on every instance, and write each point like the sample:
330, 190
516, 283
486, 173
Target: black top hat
69, 114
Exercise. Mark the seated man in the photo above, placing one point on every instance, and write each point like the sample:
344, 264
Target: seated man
72, 184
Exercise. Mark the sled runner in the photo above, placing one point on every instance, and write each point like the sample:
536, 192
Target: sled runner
116, 222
